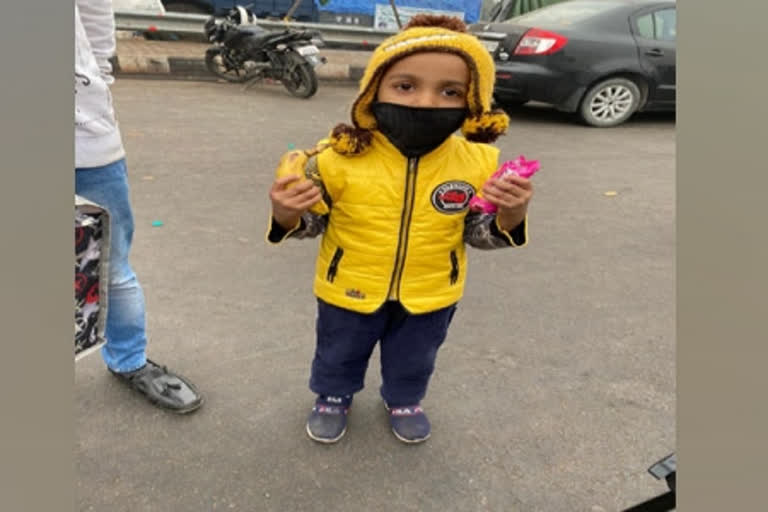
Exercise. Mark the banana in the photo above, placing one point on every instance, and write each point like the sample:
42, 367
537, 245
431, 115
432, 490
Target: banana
298, 163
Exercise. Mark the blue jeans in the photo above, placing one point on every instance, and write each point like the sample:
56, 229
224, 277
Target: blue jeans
107, 186
408, 346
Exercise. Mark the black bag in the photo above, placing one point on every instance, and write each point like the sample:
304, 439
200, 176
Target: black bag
91, 275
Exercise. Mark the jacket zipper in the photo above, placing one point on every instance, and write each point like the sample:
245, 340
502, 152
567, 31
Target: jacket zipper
331, 275
405, 221
454, 267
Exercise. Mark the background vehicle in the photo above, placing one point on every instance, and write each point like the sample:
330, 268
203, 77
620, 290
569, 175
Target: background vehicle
500, 10
307, 10
603, 59
245, 52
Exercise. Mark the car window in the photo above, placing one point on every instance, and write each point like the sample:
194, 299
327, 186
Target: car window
521, 7
645, 26
563, 13
660, 25
513, 8
666, 24
517, 8
538, 4
490, 9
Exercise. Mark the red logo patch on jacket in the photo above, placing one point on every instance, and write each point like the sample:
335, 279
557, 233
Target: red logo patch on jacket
452, 196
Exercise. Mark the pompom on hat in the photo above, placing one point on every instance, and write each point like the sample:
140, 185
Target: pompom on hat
426, 33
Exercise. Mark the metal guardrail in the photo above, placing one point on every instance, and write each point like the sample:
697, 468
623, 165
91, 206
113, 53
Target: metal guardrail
182, 23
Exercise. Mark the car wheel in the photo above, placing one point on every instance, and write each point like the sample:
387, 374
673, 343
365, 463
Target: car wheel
610, 103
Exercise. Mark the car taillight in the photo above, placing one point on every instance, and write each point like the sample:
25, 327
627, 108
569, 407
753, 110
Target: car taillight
540, 42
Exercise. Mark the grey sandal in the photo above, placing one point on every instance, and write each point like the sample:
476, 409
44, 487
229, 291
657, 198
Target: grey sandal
163, 388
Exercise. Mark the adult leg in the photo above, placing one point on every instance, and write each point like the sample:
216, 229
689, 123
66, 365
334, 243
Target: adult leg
125, 349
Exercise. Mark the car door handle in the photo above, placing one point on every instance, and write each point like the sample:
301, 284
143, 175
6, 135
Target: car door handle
655, 53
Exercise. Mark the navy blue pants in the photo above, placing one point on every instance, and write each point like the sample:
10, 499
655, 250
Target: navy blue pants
409, 344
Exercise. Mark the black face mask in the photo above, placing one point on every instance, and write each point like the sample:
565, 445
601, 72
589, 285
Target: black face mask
416, 131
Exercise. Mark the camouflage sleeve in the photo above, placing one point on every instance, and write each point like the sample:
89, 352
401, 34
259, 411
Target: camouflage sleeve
482, 231
312, 172
310, 225
313, 222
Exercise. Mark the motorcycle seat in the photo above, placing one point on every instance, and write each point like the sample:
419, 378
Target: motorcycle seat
260, 36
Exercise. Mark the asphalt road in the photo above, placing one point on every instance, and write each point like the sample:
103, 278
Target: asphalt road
554, 391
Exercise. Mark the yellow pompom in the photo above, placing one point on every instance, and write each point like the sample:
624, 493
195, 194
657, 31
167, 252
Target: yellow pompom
486, 127
347, 140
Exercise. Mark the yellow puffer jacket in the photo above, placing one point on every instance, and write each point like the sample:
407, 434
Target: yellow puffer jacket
396, 225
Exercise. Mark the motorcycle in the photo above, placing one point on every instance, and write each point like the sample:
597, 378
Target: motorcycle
243, 52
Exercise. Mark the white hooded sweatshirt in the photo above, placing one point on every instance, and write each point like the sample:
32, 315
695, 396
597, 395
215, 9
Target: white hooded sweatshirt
97, 136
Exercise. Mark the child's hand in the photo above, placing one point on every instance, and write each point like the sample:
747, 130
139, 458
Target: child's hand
511, 196
290, 200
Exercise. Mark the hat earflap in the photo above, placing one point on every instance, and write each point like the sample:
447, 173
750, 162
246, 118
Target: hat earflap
348, 140
485, 128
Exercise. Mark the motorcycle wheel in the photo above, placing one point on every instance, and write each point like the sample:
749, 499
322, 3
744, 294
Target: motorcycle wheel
216, 64
300, 78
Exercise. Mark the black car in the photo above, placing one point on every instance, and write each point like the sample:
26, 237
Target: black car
604, 59
500, 10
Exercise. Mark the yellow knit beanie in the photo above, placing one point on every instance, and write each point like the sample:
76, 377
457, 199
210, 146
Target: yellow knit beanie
426, 33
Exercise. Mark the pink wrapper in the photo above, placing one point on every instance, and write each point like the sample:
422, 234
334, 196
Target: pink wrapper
518, 167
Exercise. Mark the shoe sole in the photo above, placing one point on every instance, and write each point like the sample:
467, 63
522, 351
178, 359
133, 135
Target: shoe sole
325, 440
407, 441
186, 410
161, 405
410, 441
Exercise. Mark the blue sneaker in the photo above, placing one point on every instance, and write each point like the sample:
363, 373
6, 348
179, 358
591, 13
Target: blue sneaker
409, 423
327, 423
